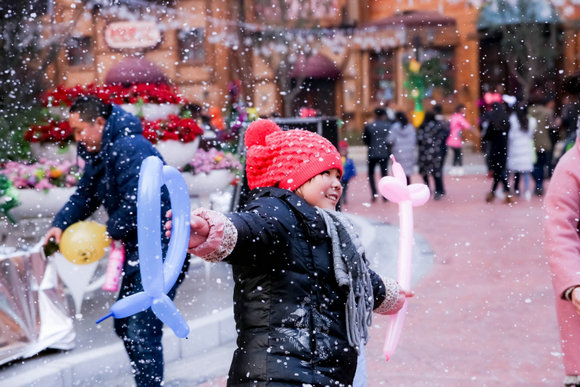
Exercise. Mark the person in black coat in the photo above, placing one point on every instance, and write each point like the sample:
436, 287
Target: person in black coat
111, 143
304, 293
495, 128
376, 137
431, 137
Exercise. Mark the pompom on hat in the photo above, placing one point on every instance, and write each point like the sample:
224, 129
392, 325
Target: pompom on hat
286, 159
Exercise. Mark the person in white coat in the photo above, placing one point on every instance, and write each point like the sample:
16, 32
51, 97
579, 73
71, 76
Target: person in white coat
404, 140
520, 160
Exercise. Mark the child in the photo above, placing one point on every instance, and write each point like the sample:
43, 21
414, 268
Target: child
457, 124
348, 167
304, 293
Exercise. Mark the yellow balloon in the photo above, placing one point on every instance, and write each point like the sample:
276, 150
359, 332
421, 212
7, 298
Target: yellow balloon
84, 242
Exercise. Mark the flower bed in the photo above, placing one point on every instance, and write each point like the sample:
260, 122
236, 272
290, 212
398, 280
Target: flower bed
46, 174
207, 161
174, 128
40, 189
117, 94
211, 171
156, 105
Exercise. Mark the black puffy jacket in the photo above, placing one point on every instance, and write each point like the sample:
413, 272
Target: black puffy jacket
289, 311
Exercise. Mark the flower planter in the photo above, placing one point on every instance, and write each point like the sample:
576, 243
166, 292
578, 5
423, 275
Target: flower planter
52, 151
40, 204
133, 109
61, 112
177, 153
151, 111
204, 184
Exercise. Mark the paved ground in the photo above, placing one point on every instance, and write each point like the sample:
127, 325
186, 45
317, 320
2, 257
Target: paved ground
483, 314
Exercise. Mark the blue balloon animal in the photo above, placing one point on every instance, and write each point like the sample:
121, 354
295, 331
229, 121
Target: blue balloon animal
158, 276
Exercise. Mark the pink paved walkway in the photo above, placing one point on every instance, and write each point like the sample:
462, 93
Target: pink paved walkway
484, 315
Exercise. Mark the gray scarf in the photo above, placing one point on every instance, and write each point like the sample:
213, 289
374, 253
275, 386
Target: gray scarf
351, 270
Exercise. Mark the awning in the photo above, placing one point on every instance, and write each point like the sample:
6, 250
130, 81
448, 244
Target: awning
135, 70
314, 66
414, 19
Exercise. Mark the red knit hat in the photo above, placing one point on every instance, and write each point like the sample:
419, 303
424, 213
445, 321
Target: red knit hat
286, 158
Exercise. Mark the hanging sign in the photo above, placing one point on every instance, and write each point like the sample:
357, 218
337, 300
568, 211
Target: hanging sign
132, 34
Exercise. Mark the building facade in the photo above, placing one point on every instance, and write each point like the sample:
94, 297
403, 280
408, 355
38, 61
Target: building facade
342, 57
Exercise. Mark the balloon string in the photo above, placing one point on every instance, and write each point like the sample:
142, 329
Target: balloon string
104, 318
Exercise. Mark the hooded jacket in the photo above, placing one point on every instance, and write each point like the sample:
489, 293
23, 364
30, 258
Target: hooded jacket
110, 178
289, 310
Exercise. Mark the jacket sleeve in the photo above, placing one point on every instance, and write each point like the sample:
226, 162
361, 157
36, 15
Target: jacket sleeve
263, 231
83, 202
387, 296
562, 209
253, 237
127, 159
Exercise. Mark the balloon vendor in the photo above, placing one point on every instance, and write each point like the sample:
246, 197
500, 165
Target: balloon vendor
111, 143
304, 293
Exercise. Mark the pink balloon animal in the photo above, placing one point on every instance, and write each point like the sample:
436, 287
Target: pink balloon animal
395, 189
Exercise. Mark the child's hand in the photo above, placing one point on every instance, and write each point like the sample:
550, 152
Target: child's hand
403, 295
198, 233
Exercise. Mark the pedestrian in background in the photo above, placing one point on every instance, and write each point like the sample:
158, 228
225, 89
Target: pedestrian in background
376, 136
562, 206
496, 129
304, 293
521, 151
349, 170
457, 124
444, 129
569, 121
546, 124
404, 140
431, 137
111, 143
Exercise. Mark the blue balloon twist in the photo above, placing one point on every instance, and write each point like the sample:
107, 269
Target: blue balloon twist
158, 276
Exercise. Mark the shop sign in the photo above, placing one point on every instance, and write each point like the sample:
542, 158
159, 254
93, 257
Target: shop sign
132, 35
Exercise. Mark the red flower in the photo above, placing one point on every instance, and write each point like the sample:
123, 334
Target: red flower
50, 132
118, 94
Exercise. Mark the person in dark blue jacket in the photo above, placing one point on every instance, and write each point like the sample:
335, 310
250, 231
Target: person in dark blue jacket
111, 143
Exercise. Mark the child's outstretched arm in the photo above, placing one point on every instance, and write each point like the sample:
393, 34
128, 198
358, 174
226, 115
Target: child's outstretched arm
212, 236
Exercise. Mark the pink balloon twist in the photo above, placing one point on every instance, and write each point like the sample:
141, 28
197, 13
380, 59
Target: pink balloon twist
395, 189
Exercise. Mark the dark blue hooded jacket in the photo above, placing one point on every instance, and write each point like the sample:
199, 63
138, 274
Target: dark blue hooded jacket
111, 178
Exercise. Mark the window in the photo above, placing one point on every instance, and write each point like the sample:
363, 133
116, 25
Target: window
79, 51
382, 76
192, 46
